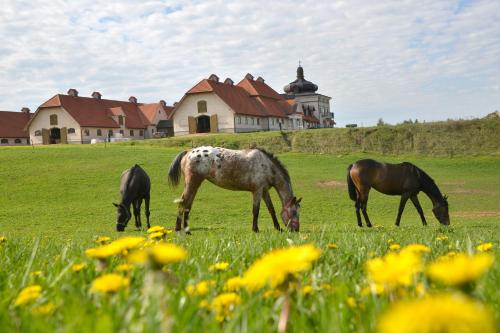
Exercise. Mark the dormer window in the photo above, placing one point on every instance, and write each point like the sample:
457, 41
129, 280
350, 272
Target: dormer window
120, 120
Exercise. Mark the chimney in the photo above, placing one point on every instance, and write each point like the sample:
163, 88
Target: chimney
249, 77
228, 81
163, 103
132, 99
73, 92
96, 95
260, 79
214, 78
25, 110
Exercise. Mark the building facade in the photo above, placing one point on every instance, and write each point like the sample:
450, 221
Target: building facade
12, 128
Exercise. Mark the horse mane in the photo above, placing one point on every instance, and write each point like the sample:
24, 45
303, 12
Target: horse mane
427, 182
277, 163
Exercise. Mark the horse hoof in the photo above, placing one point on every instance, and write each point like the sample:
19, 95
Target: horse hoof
188, 232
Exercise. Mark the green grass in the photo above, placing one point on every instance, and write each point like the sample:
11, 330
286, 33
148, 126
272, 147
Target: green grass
61, 199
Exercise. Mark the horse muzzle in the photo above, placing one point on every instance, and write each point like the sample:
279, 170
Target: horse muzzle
294, 225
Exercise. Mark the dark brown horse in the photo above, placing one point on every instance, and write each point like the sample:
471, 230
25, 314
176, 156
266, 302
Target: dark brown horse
404, 179
134, 187
253, 170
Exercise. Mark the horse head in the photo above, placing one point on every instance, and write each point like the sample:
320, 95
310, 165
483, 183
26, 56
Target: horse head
122, 216
290, 214
441, 211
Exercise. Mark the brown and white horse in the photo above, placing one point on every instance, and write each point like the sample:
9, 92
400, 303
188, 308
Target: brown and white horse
253, 170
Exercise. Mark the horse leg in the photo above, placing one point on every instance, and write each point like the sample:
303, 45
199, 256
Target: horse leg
416, 203
364, 205
270, 208
146, 203
402, 203
257, 197
358, 215
187, 201
137, 213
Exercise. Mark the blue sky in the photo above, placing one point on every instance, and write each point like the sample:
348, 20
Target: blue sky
395, 60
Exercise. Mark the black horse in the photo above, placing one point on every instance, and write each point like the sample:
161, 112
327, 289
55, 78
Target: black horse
404, 179
134, 187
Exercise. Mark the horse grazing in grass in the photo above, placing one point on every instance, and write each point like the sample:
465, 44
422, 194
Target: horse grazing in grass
404, 179
253, 170
134, 187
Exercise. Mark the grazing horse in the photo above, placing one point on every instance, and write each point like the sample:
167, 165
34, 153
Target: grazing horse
253, 170
404, 179
134, 187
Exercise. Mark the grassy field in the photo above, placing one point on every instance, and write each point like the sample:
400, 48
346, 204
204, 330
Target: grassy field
55, 201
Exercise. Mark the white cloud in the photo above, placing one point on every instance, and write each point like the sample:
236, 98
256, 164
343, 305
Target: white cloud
377, 59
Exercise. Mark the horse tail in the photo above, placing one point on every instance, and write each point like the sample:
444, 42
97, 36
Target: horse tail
350, 185
174, 172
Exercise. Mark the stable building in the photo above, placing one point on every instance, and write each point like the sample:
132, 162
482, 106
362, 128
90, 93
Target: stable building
75, 119
12, 128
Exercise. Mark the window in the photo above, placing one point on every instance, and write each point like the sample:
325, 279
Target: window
28, 141
202, 106
121, 132
152, 131
110, 133
99, 132
258, 121
272, 121
38, 133
131, 132
86, 132
71, 131
17, 140
141, 133
120, 120
253, 121
53, 119
4, 141
246, 120
239, 120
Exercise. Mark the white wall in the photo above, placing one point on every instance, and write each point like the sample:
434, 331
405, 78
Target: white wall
64, 119
12, 142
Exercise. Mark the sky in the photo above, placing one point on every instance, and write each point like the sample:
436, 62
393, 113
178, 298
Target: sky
395, 60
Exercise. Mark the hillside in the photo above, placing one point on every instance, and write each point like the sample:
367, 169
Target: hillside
446, 138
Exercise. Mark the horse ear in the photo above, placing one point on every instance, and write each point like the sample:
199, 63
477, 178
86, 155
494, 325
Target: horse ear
116, 205
299, 200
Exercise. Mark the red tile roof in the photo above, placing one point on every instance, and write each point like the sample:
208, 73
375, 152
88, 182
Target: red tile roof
257, 88
151, 109
12, 124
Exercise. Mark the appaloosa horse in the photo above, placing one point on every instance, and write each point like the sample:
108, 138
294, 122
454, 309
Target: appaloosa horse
253, 170
403, 179
134, 187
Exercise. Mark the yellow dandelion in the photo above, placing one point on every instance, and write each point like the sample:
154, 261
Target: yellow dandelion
307, 290
200, 289
224, 305
417, 248
234, 283
351, 302
325, 286
109, 283
102, 239
164, 253
272, 293
156, 228
420, 289
394, 269
275, 267
204, 304
441, 238
374, 289
156, 235
137, 257
124, 267
394, 247
484, 247
28, 294
219, 266
390, 241
3, 239
36, 274
119, 246
460, 269
444, 313
78, 267
332, 246
43, 310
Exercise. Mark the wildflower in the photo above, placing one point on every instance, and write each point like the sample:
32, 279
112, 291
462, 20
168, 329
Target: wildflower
417, 248
156, 228
307, 290
394, 269
390, 241
3, 239
332, 246
394, 247
325, 286
219, 266
420, 289
156, 235
28, 294
204, 304
224, 304
36, 274
78, 267
124, 268
460, 269
163, 253
443, 313
272, 293
109, 283
200, 289
351, 302
373, 289
45, 309
138, 257
119, 246
484, 247
275, 267
102, 240
234, 283
441, 238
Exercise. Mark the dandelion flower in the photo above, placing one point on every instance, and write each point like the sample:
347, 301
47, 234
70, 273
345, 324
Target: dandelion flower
394, 269
119, 246
373, 289
163, 253
3, 239
445, 313
273, 268
219, 266
28, 294
138, 257
109, 283
200, 289
78, 267
332, 246
43, 310
124, 268
234, 283
102, 239
272, 293
36, 274
460, 269
307, 290
484, 247
417, 248
204, 304
394, 247
351, 302
156, 228
224, 304
441, 238
155, 235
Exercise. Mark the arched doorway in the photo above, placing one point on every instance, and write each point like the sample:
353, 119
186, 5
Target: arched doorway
203, 124
55, 135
